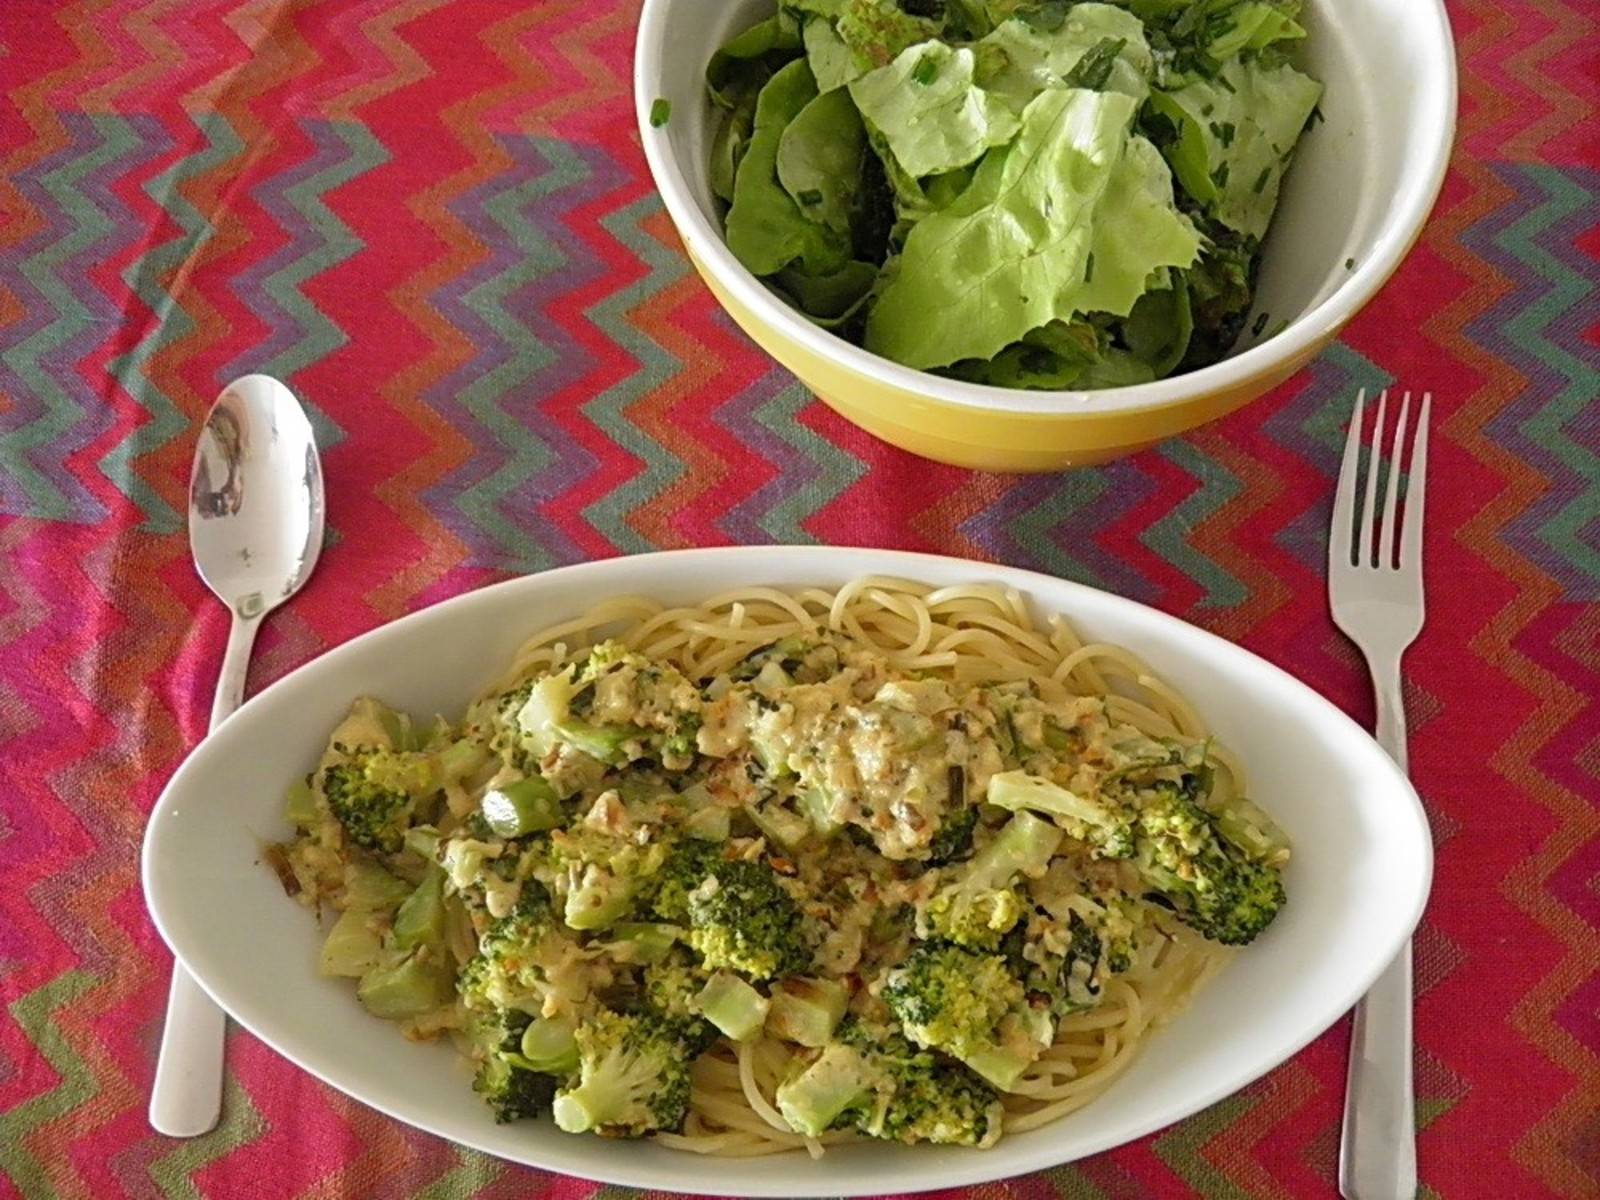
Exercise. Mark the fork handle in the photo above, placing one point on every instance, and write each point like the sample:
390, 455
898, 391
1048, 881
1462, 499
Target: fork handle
1378, 1146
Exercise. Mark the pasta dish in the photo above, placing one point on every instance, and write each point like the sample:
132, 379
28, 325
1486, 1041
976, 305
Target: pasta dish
788, 868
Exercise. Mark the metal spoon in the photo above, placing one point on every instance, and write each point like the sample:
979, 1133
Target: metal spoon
255, 530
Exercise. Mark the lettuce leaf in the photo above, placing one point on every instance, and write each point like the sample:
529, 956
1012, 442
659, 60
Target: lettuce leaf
1023, 244
766, 229
745, 62
877, 31
1021, 58
1236, 135
831, 60
931, 114
819, 159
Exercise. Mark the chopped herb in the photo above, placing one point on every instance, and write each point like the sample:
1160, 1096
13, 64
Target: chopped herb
1260, 324
1222, 81
1223, 132
1093, 70
809, 197
660, 113
1088, 269
925, 72
1278, 328
1220, 176
1261, 180
1349, 264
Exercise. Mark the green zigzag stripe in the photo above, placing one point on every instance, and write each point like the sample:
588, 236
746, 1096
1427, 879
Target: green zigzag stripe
339, 243
1169, 537
1070, 493
608, 410
1180, 1148
90, 226
836, 469
527, 456
472, 1173
35, 1013
169, 323
1546, 426
174, 1172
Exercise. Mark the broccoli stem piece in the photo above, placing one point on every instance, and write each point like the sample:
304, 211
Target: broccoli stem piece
405, 986
300, 805
732, 1005
420, 919
527, 806
352, 947
837, 1082
643, 941
1108, 829
550, 1045
606, 743
806, 1011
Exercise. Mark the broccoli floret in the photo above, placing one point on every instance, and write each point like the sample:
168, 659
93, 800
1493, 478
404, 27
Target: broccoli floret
739, 916
511, 1092
875, 1081
633, 1076
1104, 825
980, 905
1210, 883
972, 1007
372, 792
508, 1086
741, 919
953, 842
670, 989
599, 875
1097, 948
523, 959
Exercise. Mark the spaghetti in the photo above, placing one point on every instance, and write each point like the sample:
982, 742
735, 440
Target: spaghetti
836, 737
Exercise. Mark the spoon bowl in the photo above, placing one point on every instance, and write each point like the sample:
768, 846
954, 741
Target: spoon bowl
256, 507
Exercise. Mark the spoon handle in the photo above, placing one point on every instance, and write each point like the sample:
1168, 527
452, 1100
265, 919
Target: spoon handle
186, 1099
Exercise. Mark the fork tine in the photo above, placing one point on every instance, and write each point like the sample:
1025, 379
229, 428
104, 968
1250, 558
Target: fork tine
1364, 553
1388, 550
1340, 550
1416, 493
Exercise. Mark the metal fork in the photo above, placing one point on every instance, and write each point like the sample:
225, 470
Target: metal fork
1375, 591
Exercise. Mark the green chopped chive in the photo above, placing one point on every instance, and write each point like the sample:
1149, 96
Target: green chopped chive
1220, 176
1349, 264
1260, 324
660, 113
809, 197
1088, 269
1261, 180
925, 72
1093, 70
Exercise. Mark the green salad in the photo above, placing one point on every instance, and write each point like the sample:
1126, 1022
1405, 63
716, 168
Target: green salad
1025, 193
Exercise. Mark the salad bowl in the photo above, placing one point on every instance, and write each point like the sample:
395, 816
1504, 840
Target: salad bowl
1361, 186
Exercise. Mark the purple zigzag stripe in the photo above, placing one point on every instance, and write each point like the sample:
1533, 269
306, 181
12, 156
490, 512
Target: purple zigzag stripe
300, 239
1074, 535
796, 471
568, 361
96, 413
1543, 380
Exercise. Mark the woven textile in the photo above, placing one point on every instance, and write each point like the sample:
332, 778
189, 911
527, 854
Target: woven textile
434, 220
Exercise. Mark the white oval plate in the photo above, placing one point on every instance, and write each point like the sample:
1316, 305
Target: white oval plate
1360, 875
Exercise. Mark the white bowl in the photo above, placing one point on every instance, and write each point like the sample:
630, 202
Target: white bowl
1356, 886
1362, 185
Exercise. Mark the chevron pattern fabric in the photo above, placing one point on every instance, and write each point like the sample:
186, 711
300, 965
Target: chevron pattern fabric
432, 218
